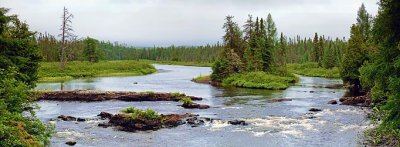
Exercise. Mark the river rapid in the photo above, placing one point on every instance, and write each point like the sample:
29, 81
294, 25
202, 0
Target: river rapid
285, 124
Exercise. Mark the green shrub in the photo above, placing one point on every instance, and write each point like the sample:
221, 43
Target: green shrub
177, 94
261, 80
141, 114
186, 101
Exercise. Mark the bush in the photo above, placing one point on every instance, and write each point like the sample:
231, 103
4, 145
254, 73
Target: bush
261, 80
186, 101
140, 114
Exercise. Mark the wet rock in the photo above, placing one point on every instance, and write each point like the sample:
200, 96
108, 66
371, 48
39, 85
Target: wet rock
194, 121
314, 110
135, 82
312, 91
71, 143
67, 118
364, 100
125, 123
333, 102
279, 100
104, 125
237, 122
105, 115
195, 106
81, 119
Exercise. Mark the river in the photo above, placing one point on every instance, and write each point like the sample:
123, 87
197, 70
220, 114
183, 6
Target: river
285, 124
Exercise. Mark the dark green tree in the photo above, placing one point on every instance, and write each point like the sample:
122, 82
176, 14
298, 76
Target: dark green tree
91, 50
18, 72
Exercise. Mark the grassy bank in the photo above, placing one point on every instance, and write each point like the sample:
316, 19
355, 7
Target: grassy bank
202, 79
260, 80
313, 70
51, 72
184, 63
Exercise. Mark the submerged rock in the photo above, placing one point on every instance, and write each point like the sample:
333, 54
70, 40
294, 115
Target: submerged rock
279, 100
70, 143
194, 121
67, 118
81, 119
314, 110
194, 106
333, 102
334, 86
237, 122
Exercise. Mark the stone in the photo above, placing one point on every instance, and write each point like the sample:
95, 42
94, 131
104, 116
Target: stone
333, 102
71, 143
314, 110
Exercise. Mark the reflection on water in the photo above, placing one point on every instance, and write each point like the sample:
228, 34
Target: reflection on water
286, 123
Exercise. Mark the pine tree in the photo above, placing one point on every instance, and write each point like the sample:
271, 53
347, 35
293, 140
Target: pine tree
91, 51
364, 22
353, 58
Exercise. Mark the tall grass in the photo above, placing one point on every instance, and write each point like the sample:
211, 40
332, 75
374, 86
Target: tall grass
50, 71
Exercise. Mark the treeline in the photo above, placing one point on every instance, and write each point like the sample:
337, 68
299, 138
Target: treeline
77, 50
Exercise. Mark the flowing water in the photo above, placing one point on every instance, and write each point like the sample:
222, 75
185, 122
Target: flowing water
285, 124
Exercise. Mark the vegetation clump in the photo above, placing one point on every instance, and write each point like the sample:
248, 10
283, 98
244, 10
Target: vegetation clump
147, 114
186, 101
259, 80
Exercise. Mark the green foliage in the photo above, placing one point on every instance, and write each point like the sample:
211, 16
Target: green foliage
353, 57
76, 69
186, 100
18, 72
18, 49
382, 74
91, 51
260, 80
313, 69
147, 114
177, 94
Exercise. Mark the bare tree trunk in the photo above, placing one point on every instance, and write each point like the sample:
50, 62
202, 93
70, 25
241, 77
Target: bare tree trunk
65, 34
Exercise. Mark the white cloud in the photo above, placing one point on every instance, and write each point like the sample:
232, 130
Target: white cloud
185, 22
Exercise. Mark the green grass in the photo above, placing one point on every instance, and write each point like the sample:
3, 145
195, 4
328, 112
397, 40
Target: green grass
200, 64
313, 70
186, 100
260, 80
202, 79
51, 72
147, 114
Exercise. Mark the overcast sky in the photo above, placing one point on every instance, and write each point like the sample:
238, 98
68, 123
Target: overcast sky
185, 22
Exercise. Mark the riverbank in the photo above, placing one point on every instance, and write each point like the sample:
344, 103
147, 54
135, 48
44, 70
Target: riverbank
51, 72
313, 70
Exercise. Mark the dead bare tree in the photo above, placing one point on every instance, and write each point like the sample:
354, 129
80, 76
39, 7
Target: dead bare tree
66, 34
